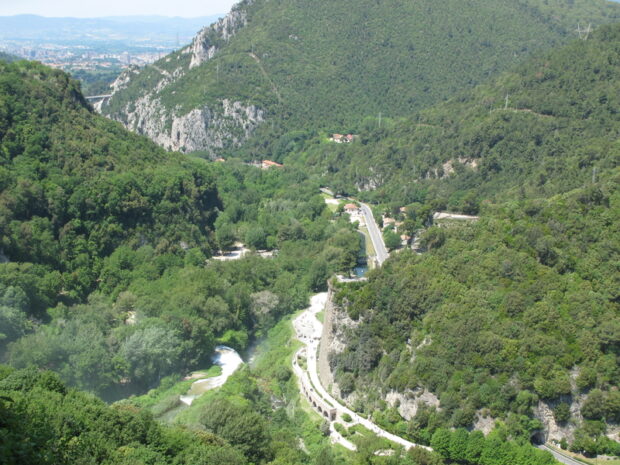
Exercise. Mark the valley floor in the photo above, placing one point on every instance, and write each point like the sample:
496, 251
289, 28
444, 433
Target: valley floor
309, 330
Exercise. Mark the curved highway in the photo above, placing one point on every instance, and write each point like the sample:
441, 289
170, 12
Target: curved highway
309, 330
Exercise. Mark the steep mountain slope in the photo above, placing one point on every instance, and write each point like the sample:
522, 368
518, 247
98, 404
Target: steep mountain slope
75, 186
513, 318
308, 64
106, 244
546, 127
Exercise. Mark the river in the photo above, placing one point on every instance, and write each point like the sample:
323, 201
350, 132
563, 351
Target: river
225, 357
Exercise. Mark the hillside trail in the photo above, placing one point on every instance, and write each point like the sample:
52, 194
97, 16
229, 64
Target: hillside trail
264, 72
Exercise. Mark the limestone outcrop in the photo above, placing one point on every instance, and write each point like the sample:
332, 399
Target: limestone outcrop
202, 127
203, 47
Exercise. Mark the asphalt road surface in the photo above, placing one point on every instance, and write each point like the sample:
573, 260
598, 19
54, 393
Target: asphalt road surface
375, 234
560, 457
309, 331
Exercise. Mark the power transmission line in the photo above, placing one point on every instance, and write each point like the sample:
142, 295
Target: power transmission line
585, 33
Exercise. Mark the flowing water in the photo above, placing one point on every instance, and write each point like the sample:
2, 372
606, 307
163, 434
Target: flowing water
360, 270
225, 357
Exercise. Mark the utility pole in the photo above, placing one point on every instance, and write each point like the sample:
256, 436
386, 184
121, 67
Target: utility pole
594, 175
379, 120
507, 100
584, 34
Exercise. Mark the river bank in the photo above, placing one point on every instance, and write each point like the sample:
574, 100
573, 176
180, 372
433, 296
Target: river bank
228, 360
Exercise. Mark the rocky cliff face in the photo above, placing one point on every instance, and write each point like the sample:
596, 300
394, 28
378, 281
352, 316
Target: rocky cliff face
323, 65
218, 125
336, 321
337, 324
203, 47
333, 341
208, 128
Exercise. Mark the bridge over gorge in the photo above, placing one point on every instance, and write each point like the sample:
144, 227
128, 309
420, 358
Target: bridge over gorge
97, 100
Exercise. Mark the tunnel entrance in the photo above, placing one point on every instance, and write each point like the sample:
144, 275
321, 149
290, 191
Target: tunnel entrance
538, 438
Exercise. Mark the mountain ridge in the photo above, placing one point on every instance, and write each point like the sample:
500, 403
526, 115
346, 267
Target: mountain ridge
327, 65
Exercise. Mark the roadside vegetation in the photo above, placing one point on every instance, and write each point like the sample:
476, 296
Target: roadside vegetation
520, 308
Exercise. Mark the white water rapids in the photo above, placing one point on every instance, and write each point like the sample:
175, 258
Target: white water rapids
225, 357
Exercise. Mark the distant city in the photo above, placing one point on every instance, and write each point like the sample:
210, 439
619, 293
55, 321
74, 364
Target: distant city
97, 44
84, 57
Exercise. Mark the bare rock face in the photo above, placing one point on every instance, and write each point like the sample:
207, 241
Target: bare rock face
484, 422
123, 79
552, 430
336, 322
408, 402
203, 128
202, 48
207, 128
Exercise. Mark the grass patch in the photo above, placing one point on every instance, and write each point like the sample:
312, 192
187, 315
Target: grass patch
333, 207
166, 397
212, 372
363, 437
344, 432
370, 250
156, 399
321, 316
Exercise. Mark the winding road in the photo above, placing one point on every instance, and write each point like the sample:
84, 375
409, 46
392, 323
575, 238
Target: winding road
375, 233
309, 330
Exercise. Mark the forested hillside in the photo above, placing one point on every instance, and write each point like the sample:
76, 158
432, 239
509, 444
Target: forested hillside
75, 187
548, 126
520, 307
514, 318
7, 57
304, 65
105, 239
45, 423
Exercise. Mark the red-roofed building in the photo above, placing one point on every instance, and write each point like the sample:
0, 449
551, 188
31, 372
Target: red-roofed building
351, 208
